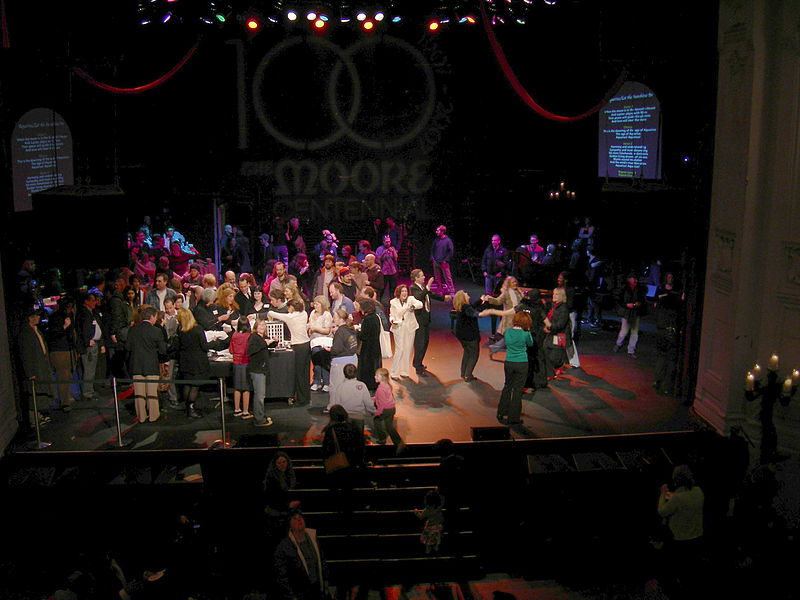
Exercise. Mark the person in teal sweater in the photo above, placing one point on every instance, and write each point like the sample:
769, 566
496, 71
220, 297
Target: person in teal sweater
518, 339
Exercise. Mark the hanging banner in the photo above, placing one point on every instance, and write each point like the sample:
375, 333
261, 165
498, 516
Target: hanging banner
41, 155
630, 134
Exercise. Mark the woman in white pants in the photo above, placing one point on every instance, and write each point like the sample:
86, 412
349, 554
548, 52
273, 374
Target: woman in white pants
404, 324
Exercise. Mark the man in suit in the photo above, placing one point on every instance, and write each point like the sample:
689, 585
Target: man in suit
422, 292
244, 295
145, 343
90, 344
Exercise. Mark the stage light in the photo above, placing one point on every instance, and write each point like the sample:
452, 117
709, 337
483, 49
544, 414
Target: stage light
520, 21
361, 16
397, 19
379, 16
433, 26
468, 20
291, 15
686, 159
311, 15
368, 26
319, 26
252, 24
167, 17
550, 2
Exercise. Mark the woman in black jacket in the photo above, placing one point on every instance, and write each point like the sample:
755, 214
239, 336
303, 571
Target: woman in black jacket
192, 358
258, 368
558, 332
369, 358
467, 332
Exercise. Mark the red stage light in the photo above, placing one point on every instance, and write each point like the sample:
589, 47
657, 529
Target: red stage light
252, 24
471, 20
433, 26
368, 26
319, 25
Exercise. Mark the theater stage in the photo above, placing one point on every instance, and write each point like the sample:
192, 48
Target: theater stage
610, 394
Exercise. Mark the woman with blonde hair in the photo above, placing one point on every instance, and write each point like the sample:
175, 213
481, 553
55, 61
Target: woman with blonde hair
192, 358
320, 323
404, 324
297, 320
509, 297
467, 332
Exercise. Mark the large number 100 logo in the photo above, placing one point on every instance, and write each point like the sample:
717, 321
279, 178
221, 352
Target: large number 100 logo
345, 119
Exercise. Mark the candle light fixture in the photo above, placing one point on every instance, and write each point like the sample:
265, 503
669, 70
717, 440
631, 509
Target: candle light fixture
773, 389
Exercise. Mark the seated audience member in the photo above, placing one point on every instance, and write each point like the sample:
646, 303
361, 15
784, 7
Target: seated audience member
279, 482
301, 571
179, 259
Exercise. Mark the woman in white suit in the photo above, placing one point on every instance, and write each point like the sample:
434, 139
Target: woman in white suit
404, 324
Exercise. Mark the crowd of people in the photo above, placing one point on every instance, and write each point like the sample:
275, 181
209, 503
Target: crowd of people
153, 324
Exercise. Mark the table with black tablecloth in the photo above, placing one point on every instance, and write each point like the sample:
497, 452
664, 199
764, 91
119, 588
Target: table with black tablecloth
280, 381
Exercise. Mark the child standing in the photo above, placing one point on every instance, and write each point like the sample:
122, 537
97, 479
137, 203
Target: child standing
241, 382
434, 521
384, 411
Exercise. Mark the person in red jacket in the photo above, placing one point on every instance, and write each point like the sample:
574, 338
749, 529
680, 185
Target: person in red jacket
241, 382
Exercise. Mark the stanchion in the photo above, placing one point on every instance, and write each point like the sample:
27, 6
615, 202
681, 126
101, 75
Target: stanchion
121, 442
223, 442
39, 443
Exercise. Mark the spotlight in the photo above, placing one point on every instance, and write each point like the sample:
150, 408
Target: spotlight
291, 15
397, 19
252, 24
433, 26
379, 16
468, 19
550, 2
368, 26
361, 16
167, 17
311, 15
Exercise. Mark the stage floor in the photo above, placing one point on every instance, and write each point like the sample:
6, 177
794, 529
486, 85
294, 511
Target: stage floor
609, 394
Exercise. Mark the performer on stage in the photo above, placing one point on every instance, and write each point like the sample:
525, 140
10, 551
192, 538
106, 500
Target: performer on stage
422, 292
404, 325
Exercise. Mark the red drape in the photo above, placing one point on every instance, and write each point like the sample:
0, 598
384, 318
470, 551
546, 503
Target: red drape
142, 88
523, 93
